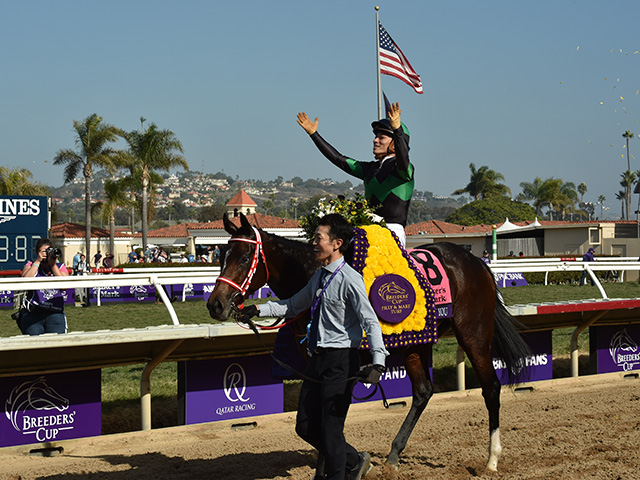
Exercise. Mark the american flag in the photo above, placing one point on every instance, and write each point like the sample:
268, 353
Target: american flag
394, 63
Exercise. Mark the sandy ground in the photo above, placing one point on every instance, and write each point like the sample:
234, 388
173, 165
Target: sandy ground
568, 429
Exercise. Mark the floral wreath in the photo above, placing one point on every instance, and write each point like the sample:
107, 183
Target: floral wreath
357, 211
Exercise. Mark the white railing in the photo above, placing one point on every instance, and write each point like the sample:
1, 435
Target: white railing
158, 277
557, 265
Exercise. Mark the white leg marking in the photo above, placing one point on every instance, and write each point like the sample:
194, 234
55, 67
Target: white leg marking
495, 449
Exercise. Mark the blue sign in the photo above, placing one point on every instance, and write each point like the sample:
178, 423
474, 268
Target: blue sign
23, 220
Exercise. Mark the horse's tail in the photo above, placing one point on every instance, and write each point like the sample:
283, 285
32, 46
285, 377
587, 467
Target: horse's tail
509, 345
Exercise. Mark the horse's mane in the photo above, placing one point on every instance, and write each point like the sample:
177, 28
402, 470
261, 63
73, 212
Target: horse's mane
295, 250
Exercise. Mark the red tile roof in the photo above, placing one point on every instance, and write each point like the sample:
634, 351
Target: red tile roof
438, 227
241, 199
258, 219
74, 230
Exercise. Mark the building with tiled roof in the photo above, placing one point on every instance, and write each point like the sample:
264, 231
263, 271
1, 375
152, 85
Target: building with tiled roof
241, 203
192, 235
70, 238
538, 238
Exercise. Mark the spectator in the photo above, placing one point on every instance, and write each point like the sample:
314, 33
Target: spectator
216, 254
96, 259
133, 256
587, 257
107, 261
43, 312
183, 258
82, 268
160, 255
76, 259
485, 257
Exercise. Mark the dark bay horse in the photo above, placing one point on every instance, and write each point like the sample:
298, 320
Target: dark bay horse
480, 321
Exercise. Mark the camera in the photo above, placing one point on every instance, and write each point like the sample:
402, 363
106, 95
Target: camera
53, 252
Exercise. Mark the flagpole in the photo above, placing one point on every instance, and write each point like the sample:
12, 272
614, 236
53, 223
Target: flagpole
380, 115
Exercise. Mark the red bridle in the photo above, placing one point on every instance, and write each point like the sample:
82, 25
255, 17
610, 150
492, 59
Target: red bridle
258, 252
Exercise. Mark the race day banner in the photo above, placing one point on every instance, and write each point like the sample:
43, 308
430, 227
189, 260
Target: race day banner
51, 407
540, 362
615, 348
135, 293
229, 388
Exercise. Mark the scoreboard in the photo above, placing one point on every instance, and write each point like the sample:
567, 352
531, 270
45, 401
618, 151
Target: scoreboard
23, 220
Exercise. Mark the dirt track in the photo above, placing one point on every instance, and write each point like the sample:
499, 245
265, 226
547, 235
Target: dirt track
569, 429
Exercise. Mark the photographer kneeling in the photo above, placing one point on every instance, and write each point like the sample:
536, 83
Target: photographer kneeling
42, 311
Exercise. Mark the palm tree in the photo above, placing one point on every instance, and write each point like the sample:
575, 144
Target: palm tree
93, 151
484, 183
621, 195
534, 192
628, 178
17, 181
568, 197
601, 200
582, 189
115, 194
153, 149
628, 136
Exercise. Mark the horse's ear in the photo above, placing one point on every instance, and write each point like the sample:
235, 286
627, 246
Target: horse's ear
245, 223
229, 226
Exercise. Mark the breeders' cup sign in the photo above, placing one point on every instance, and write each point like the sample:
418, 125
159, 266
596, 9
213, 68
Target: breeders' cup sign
48, 408
224, 389
23, 220
617, 347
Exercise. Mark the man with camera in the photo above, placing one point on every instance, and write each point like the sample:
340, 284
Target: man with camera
42, 311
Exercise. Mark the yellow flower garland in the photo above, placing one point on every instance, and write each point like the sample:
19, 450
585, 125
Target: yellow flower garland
384, 257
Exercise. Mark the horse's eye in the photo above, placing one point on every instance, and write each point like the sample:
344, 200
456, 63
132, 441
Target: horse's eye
245, 259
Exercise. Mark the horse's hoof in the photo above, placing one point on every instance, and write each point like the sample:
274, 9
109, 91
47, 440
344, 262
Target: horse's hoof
391, 465
492, 466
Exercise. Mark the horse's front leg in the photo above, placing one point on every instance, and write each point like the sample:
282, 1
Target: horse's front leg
422, 389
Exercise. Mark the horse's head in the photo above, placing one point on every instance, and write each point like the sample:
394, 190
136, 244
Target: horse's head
243, 269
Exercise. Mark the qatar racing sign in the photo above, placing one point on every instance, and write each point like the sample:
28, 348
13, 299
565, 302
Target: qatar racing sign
223, 389
48, 408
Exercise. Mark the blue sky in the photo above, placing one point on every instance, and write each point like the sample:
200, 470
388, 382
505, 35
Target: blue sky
529, 89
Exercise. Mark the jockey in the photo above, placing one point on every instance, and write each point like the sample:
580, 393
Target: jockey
389, 180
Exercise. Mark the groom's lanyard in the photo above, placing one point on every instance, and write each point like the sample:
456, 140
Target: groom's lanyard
316, 303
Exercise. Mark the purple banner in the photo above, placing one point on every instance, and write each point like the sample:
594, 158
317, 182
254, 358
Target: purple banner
139, 293
188, 291
222, 389
6, 298
47, 408
540, 362
510, 280
395, 381
617, 347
